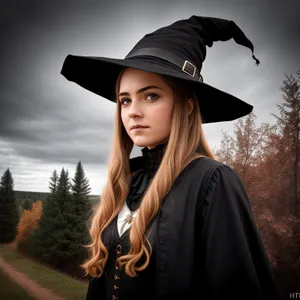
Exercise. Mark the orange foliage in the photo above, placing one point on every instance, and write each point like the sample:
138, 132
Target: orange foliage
29, 221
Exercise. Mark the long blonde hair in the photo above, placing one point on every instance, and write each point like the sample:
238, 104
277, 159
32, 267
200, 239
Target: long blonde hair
186, 142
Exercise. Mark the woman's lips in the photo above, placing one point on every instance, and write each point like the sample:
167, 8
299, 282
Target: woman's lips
139, 128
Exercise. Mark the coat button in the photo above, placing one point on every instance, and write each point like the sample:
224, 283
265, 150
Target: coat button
162, 240
119, 249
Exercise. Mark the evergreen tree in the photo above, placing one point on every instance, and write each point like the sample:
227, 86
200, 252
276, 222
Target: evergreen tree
52, 241
9, 211
81, 183
26, 204
81, 189
7, 182
58, 240
53, 182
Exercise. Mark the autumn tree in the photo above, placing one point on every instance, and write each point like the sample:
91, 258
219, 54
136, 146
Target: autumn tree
245, 148
267, 159
9, 211
246, 151
29, 221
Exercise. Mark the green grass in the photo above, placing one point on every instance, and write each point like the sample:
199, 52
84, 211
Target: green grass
59, 283
11, 290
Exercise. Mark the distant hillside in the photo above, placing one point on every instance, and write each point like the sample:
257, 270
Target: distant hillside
21, 196
31, 196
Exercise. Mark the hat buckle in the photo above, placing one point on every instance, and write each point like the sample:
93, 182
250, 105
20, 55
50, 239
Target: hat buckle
194, 70
186, 71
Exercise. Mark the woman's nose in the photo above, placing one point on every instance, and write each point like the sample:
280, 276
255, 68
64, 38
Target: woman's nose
134, 109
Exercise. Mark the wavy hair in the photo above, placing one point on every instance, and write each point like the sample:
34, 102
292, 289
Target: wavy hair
186, 142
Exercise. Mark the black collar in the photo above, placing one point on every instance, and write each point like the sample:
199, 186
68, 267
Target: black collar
151, 158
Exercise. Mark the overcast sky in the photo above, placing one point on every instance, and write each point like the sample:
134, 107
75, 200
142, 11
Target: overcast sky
48, 122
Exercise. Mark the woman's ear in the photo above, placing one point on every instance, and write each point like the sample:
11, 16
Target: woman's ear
191, 105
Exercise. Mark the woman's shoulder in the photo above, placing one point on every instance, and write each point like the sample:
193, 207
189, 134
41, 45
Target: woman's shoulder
206, 165
210, 173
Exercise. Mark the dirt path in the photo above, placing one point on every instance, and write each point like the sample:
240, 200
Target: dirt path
29, 285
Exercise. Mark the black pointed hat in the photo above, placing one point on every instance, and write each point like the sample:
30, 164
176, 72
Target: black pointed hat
177, 50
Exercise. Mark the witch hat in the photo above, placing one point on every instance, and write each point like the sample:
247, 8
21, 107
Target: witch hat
177, 50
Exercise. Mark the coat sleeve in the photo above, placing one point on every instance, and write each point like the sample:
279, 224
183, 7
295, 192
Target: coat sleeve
234, 263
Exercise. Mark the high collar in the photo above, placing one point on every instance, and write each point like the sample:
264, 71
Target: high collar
153, 157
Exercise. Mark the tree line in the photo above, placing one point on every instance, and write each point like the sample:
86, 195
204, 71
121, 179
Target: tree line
53, 230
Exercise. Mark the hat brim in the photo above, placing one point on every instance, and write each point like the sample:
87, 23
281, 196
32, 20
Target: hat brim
99, 75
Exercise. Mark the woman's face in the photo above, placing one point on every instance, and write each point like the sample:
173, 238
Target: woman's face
145, 100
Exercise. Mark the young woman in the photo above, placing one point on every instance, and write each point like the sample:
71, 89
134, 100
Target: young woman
173, 223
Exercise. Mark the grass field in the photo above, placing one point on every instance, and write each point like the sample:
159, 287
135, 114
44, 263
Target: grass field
59, 283
10, 290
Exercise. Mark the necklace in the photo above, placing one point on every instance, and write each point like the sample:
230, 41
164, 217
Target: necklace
128, 220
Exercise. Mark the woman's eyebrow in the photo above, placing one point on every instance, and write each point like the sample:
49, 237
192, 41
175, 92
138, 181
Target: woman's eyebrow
141, 90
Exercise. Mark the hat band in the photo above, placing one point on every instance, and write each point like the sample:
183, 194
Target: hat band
185, 65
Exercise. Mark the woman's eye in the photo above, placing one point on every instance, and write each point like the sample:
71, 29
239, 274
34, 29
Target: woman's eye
153, 98
124, 99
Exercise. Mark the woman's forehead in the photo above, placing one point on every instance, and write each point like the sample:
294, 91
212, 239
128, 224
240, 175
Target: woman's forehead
135, 79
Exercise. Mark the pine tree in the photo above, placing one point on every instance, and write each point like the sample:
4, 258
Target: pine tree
9, 212
53, 182
51, 241
81, 189
7, 182
27, 204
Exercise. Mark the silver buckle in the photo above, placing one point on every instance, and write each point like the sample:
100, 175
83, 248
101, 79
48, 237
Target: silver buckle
183, 68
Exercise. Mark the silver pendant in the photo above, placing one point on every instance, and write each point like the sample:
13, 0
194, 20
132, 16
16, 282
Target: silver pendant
128, 220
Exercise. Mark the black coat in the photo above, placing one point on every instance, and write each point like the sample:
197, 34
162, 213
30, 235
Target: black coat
208, 244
